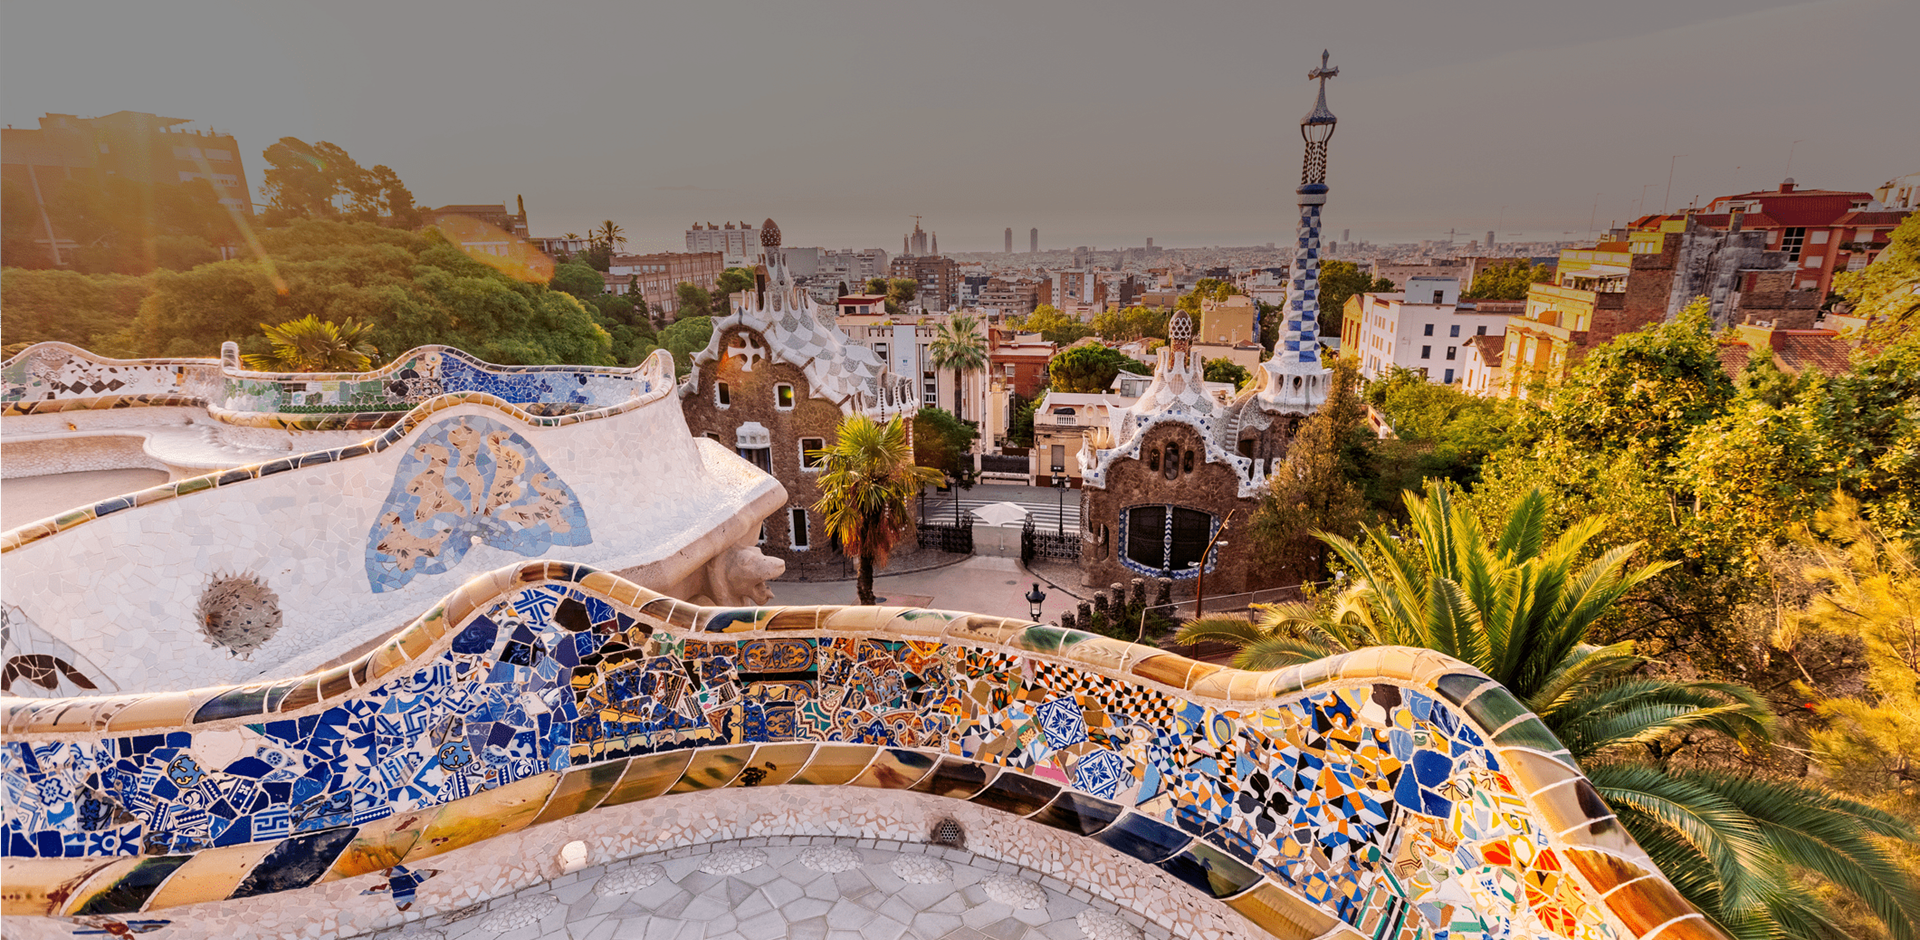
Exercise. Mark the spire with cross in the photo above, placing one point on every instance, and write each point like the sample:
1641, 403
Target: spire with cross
1296, 380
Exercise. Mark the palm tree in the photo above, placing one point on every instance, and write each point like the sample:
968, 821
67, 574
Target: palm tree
867, 490
314, 345
610, 235
1750, 852
958, 345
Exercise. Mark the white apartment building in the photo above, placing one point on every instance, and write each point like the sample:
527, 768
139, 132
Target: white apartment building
739, 244
1424, 327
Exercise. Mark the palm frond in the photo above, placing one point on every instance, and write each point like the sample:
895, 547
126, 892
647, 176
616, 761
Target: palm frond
1715, 827
1276, 652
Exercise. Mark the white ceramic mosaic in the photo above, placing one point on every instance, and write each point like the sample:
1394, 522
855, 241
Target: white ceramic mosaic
734, 861
628, 880
921, 870
1017, 893
830, 858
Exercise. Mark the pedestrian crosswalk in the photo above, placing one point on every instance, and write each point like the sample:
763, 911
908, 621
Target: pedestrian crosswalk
1047, 514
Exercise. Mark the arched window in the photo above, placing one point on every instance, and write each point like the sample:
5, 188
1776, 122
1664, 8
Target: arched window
1170, 465
1166, 541
1186, 463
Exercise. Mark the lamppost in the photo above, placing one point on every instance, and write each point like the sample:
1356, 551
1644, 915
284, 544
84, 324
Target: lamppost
1200, 579
1034, 599
1060, 502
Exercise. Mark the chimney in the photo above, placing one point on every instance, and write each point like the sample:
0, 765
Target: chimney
1734, 220
1787, 186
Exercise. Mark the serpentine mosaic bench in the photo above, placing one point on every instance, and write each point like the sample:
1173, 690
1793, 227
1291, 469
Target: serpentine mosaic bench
1390, 793
51, 378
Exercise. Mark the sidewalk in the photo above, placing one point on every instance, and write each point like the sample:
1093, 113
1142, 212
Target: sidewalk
983, 584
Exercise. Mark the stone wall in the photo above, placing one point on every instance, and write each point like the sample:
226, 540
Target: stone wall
752, 383
1388, 793
1210, 487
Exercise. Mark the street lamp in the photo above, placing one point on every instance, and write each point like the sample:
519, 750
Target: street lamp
1034, 599
1060, 502
1200, 578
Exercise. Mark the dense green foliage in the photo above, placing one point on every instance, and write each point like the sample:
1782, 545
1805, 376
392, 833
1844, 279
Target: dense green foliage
121, 226
1340, 280
942, 441
1053, 326
1508, 280
1121, 325
89, 311
322, 181
1090, 368
1226, 370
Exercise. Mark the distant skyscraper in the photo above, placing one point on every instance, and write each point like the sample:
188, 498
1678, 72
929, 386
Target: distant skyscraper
916, 243
1346, 234
1033, 241
1489, 239
936, 244
1009, 239
1149, 243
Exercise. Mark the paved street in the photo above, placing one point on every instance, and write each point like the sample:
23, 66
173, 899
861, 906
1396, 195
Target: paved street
983, 584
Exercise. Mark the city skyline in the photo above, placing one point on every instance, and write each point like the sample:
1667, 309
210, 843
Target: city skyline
1488, 117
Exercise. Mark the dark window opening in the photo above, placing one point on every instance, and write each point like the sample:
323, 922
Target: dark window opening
798, 519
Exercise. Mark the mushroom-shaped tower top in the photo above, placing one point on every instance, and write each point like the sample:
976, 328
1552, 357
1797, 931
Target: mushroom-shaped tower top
769, 234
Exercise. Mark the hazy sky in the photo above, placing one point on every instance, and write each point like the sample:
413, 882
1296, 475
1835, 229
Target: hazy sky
1103, 123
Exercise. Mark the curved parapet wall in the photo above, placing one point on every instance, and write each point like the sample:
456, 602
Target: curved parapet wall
49, 378
278, 567
1385, 793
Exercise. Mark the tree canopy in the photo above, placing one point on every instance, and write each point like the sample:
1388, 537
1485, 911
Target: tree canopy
943, 442
1887, 292
1054, 326
1120, 325
322, 181
1340, 280
1508, 280
412, 290
1226, 370
1090, 368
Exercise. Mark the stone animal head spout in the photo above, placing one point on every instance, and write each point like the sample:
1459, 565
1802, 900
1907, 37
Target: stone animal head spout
738, 577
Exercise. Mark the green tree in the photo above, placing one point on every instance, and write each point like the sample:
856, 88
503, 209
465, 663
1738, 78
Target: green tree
127, 227
1117, 325
958, 345
900, 292
944, 442
1887, 292
1056, 327
1645, 390
1340, 280
866, 492
686, 336
579, 280
732, 281
1090, 368
323, 181
694, 300
1746, 850
1508, 280
1226, 370
412, 289
92, 311
310, 344
610, 236
1869, 743
876, 285
1314, 490
1020, 425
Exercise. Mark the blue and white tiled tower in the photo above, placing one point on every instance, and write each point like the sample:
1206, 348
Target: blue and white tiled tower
1296, 381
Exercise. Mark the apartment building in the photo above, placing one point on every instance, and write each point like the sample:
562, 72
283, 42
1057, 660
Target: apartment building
1425, 327
131, 145
659, 276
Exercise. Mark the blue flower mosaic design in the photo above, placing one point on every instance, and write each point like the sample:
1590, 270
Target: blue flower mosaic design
1062, 723
1100, 773
466, 477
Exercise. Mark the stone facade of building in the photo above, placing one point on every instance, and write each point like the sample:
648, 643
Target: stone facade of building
773, 384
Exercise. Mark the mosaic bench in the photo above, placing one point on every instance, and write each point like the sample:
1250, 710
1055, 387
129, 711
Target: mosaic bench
1386, 793
51, 378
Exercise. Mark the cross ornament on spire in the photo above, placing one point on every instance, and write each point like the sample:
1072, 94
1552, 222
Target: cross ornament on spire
1323, 72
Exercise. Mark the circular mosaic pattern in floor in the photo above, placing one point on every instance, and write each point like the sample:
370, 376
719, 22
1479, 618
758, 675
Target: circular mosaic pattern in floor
869, 891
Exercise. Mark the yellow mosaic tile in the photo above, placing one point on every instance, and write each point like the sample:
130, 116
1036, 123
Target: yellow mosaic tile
37, 886
1281, 914
211, 875
485, 815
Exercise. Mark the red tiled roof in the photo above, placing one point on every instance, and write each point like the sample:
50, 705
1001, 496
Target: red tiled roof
1818, 349
1491, 348
1733, 358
